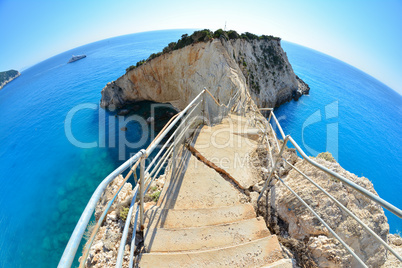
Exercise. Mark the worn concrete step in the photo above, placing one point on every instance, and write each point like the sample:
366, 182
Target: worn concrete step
230, 149
192, 184
237, 120
156, 217
256, 253
206, 237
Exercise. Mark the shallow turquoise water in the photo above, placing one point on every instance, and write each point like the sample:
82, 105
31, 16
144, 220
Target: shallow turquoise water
46, 181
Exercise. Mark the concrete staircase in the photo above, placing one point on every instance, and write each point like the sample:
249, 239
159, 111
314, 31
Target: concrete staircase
203, 219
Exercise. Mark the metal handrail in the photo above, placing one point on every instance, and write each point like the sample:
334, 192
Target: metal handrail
323, 222
119, 260
152, 147
160, 138
350, 213
75, 239
349, 183
278, 125
358, 188
139, 158
273, 169
132, 247
145, 177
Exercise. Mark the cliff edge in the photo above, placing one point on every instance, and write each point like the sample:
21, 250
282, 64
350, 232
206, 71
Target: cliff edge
223, 64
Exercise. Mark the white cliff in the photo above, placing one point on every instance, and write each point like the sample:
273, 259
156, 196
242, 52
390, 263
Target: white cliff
222, 66
269, 75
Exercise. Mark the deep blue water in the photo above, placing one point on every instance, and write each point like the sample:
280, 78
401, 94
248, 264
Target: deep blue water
46, 181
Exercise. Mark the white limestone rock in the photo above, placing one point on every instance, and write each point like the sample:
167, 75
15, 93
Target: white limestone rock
395, 241
123, 198
303, 225
224, 67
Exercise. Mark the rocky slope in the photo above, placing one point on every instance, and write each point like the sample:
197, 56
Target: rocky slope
7, 77
222, 65
395, 241
301, 231
105, 248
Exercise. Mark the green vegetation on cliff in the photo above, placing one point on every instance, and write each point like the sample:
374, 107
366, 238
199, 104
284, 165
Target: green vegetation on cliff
7, 76
203, 36
4, 76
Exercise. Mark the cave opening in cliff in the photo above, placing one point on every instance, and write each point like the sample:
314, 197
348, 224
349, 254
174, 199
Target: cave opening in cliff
133, 127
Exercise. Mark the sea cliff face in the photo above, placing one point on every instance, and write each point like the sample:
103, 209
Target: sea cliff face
223, 66
177, 77
269, 75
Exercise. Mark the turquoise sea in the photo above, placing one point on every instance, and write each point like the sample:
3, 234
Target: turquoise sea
45, 181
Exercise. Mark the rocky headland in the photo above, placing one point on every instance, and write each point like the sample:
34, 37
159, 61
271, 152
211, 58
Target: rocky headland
8, 76
225, 62
224, 65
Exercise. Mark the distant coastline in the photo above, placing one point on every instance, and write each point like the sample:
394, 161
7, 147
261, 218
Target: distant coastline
8, 76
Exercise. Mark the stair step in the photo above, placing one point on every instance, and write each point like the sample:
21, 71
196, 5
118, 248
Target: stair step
201, 238
233, 153
256, 253
183, 218
194, 185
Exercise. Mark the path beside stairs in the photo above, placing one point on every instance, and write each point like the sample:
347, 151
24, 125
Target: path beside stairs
203, 217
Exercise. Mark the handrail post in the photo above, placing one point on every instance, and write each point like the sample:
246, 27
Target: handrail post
274, 167
142, 178
278, 125
174, 153
269, 117
203, 107
268, 124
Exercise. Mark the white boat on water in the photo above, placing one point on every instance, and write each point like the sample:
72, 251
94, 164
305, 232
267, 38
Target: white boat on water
75, 58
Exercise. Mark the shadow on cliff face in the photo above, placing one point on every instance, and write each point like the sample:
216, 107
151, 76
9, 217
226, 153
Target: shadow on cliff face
296, 249
133, 127
157, 113
278, 226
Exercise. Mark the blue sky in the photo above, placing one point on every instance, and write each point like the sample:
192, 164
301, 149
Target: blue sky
366, 34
